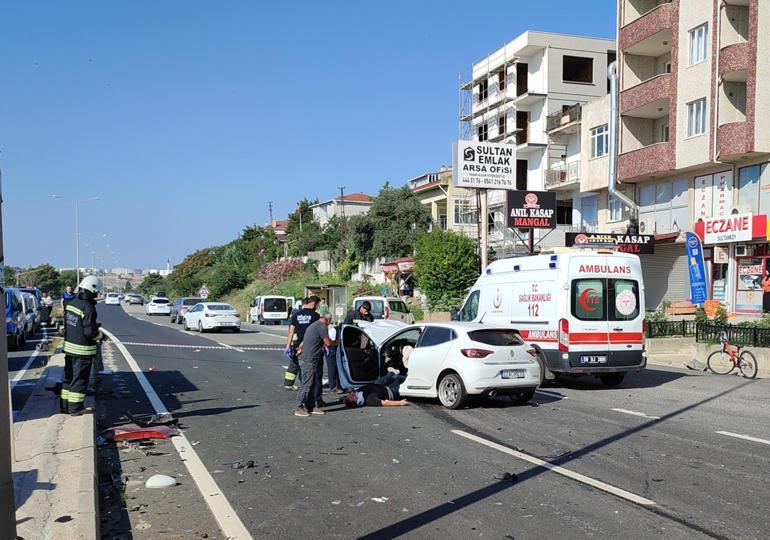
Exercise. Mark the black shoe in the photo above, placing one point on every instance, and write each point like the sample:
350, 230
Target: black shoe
81, 412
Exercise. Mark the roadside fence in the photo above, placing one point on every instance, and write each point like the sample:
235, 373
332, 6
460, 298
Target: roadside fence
737, 335
671, 329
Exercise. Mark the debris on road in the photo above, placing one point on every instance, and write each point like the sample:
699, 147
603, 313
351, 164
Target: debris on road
159, 419
135, 433
160, 481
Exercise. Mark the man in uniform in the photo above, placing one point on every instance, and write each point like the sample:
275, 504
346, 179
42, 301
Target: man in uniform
81, 335
299, 323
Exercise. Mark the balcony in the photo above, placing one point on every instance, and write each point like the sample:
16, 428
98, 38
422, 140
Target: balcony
643, 19
647, 161
562, 175
565, 121
653, 90
734, 58
735, 141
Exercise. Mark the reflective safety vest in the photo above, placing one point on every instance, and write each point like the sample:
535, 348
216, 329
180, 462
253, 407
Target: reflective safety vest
80, 329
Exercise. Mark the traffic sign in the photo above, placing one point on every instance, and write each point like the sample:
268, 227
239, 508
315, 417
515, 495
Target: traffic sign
203, 292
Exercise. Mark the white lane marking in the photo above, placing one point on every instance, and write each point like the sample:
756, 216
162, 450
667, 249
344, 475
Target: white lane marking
635, 413
285, 367
226, 346
24, 369
598, 484
189, 332
551, 394
744, 437
228, 520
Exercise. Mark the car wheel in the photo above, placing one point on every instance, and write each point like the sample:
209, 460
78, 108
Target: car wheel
612, 379
451, 391
520, 397
173, 319
200, 327
184, 325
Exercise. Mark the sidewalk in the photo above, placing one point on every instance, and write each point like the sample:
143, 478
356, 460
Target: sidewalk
53, 468
679, 351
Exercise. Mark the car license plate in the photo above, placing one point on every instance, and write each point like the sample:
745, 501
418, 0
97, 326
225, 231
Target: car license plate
593, 359
513, 373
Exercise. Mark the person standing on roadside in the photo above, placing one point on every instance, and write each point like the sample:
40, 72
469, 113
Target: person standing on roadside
81, 336
300, 321
47, 307
66, 298
311, 355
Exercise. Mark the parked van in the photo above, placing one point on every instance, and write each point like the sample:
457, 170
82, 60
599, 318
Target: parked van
389, 308
582, 309
31, 312
14, 319
270, 309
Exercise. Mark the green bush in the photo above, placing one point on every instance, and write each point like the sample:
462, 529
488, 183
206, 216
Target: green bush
701, 317
659, 315
446, 265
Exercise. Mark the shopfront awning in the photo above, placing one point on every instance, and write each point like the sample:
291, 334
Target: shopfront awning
403, 265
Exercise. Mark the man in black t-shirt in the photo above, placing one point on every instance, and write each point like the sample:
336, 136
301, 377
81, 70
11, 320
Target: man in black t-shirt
297, 327
311, 354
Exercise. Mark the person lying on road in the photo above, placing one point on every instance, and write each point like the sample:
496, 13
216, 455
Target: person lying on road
382, 393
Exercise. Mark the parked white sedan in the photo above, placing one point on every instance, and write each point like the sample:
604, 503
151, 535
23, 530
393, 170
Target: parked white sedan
212, 316
449, 361
158, 306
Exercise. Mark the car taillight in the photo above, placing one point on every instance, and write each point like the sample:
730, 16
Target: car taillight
476, 353
387, 312
564, 335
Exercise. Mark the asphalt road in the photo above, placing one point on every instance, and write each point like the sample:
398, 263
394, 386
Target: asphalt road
664, 455
24, 368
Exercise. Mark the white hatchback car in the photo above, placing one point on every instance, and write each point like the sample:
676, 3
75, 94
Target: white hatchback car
212, 316
449, 360
158, 306
112, 299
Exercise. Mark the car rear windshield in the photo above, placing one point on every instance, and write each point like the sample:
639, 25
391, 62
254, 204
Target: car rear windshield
599, 299
191, 301
221, 307
112, 294
275, 304
496, 338
160, 301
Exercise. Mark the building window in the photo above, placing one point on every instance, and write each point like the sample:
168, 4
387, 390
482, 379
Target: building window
664, 132
483, 91
564, 212
599, 141
501, 80
616, 208
665, 206
577, 69
699, 38
501, 125
696, 117
464, 212
483, 132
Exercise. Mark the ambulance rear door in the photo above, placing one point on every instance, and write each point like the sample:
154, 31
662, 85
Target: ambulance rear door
587, 323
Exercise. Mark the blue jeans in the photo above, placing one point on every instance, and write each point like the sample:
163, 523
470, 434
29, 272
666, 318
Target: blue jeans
392, 381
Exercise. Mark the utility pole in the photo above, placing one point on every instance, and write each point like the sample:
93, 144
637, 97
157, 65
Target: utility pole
484, 240
7, 502
342, 202
270, 209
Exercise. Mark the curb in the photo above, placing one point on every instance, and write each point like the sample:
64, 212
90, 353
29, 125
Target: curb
55, 466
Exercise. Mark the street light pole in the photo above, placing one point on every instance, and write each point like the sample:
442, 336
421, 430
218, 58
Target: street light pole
77, 244
7, 501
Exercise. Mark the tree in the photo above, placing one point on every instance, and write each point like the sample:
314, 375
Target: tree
68, 277
391, 228
446, 265
152, 283
187, 276
128, 287
10, 275
44, 277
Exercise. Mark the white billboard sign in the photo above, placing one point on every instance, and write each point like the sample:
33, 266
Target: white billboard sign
484, 165
732, 228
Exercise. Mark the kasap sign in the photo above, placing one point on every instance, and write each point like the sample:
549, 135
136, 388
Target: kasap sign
641, 244
532, 209
484, 165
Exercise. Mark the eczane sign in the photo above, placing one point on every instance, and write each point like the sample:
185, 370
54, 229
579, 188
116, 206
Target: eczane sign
484, 165
731, 228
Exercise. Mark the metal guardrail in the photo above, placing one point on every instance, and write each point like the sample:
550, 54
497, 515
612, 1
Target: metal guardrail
736, 335
671, 329
571, 114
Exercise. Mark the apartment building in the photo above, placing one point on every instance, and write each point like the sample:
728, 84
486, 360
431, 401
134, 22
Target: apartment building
451, 208
509, 98
690, 144
345, 206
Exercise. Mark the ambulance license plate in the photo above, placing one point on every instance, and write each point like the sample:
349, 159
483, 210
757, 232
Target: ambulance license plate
593, 359
513, 373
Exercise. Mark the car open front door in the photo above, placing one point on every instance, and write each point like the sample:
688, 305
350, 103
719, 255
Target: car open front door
358, 359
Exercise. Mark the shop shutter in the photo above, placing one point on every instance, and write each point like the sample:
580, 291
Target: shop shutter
665, 275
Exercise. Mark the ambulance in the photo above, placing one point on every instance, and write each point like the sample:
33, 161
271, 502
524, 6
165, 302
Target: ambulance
582, 310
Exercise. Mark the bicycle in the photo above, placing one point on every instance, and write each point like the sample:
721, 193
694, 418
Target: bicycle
729, 357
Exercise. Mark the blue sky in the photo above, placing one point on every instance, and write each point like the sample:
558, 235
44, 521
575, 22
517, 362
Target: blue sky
187, 117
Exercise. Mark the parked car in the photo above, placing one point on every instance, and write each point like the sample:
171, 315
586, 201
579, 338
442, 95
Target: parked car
160, 294
14, 319
270, 309
158, 306
127, 298
449, 361
31, 313
182, 306
37, 293
112, 299
136, 299
386, 307
212, 316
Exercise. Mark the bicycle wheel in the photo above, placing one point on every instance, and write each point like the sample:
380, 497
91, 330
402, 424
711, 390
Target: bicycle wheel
747, 363
719, 362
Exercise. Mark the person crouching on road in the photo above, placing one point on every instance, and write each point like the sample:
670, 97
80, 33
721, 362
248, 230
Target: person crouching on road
311, 354
81, 335
382, 393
